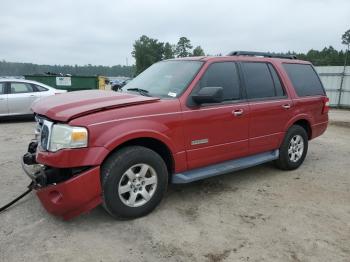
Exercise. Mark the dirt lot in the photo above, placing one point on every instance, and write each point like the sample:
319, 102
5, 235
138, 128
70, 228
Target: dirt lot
260, 214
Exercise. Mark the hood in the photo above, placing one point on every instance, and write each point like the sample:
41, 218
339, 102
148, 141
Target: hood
65, 107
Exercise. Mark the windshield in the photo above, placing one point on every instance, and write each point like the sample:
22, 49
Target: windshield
165, 79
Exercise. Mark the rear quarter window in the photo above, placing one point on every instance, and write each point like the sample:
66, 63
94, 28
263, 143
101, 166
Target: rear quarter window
40, 88
304, 79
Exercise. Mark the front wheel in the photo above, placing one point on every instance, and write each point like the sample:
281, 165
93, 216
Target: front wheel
134, 180
293, 149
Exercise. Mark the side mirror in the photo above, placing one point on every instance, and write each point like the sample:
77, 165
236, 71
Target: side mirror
210, 94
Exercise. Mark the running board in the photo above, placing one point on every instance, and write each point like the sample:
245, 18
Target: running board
224, 167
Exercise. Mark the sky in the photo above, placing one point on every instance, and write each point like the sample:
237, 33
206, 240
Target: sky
70, 32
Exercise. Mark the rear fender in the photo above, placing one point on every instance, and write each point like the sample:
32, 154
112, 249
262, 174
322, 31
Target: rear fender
297, 118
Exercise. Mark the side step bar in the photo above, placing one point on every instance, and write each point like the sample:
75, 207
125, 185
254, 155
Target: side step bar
224, 167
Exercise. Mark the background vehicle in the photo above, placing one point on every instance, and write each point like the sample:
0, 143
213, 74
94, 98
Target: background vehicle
117, 85
180, 120
17, 95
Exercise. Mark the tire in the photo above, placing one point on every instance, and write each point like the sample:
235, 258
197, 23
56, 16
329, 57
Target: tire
129, 170
290, 155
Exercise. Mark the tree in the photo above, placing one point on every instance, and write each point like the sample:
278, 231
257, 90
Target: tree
169, 51
198, 51
147, 51
346, 41
183, 47
346, 38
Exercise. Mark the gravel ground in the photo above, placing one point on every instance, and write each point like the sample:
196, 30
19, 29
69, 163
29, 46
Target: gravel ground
259, 214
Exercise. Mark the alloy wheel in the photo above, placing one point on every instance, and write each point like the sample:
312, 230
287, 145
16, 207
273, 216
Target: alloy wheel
296, 148
137, 185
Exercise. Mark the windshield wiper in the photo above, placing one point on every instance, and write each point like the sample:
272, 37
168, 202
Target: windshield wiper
141, 91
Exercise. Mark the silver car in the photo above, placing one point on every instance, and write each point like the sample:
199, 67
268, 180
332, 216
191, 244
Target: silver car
17, 95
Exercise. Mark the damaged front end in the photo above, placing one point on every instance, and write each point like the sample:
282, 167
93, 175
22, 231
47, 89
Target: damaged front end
63, 191
42, 175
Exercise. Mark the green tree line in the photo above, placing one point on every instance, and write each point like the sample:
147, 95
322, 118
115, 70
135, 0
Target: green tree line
147, 51
18, 69
328, 56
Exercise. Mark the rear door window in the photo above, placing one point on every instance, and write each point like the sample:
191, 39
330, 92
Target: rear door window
18, 88
225, 75
278, 85
304, 79
258, 80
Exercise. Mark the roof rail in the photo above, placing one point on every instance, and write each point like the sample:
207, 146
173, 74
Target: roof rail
252, 53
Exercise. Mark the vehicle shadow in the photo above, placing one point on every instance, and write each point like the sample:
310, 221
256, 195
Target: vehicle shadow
226, 182
206, 188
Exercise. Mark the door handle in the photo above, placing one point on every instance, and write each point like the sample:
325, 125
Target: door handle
32, 95
286, 106
237, 112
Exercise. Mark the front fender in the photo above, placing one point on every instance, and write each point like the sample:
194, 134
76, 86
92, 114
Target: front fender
140, 134
111, 137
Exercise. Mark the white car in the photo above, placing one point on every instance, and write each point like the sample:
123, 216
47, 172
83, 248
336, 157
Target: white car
17, 95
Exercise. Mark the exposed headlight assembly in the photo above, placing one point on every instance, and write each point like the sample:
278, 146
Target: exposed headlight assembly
65, 136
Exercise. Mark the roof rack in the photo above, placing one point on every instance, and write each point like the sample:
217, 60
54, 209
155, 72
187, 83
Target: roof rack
252, 53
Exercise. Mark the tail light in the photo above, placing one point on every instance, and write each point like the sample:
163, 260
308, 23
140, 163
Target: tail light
325, 105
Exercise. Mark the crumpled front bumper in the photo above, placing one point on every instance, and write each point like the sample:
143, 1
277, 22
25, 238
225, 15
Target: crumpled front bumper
69, 198
73, 197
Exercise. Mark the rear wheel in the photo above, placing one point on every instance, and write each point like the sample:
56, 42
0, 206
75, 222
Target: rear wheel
293, 149
134, 180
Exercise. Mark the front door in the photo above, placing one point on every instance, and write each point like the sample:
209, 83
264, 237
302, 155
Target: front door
217, 132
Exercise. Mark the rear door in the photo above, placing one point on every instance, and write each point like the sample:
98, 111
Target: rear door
3, 99
217, 132
20, 98
270, 106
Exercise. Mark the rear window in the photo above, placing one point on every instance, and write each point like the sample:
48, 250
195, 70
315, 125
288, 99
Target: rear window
304, 79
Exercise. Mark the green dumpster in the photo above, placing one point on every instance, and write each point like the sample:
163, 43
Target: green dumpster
69, 83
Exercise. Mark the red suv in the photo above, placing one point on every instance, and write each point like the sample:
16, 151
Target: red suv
179, 121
